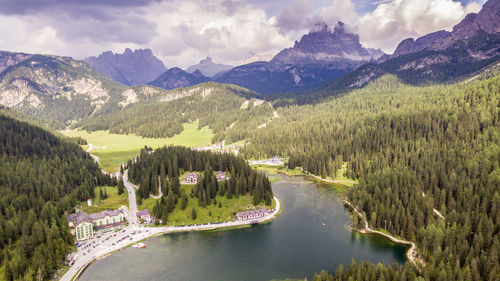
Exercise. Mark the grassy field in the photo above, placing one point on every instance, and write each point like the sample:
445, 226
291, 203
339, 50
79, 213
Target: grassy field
226, 213
274, 170
113, 149
114, 201
337, 188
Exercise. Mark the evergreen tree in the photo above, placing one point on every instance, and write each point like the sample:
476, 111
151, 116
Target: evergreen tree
193, 214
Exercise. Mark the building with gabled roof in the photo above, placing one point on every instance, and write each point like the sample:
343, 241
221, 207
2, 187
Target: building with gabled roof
83, 226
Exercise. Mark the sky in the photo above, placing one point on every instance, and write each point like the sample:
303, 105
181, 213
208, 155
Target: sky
181, 32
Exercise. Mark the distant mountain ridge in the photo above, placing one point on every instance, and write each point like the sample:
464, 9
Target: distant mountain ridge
319, 56
487, 20
438, 57
178, 78
61, 91
321, 44
208, 68
130, 68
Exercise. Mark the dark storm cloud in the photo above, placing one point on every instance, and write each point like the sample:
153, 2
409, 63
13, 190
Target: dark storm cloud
98, 21
25, 7
112, 26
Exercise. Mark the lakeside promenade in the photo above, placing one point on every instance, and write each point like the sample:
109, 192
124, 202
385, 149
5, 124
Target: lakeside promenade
133, 233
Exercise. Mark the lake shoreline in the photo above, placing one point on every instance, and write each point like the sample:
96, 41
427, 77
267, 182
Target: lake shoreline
158, 231
412, 254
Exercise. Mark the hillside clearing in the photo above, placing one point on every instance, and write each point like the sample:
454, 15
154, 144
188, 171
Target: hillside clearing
120, 148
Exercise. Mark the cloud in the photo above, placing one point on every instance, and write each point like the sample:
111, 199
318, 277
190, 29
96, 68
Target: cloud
340, 10
389, 23
25, 7
226, 35
392, 21
294, 17
181, 32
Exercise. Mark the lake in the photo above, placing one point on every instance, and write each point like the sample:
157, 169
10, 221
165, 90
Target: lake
309, 235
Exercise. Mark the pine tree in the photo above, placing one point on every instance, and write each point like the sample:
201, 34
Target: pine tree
121, 187
193, 214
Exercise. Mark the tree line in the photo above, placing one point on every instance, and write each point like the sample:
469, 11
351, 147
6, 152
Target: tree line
413, 150
214, 105
42, 178
161, 169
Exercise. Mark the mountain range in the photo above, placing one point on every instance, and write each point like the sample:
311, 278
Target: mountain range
438, 57
64, 90
130, 68
319, 56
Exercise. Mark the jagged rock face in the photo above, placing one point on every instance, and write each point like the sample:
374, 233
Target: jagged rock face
442, 56
319, 56
54, 87
178, 78
487, 20
9, 58
425, 42
321, 44
130, 68
208, 68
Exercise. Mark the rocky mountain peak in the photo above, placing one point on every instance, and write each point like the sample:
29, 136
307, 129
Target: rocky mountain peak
131, 68
128, 51
339, 28
487, 20
9, 58
323, 44
206, 60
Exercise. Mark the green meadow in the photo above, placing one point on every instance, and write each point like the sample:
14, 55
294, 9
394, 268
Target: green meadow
113, 149
212, 213
114, 201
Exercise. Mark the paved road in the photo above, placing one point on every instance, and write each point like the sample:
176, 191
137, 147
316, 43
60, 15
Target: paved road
132, 217
133, 233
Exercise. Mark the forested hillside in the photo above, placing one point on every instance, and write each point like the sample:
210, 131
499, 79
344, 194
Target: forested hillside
215, 105
413, 149
41, 179
165, 165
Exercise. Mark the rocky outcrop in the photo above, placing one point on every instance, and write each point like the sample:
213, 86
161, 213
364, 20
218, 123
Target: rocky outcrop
130, 68
208, 68
319, 56
323, 44
178, 78
425, 42
52, 87
9, 58
487, 21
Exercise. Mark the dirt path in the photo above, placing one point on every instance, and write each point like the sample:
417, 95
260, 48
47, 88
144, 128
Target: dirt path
413, 255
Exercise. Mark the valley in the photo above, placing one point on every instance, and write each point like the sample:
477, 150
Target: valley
114, 149
240, 140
